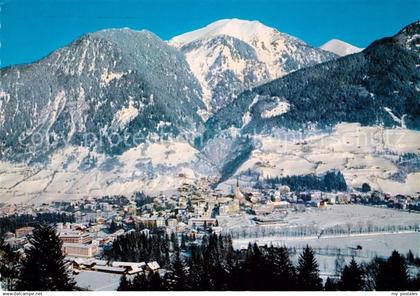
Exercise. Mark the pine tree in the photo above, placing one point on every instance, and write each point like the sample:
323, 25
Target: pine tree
155, 282
308, 272
414, 284
177, 278
410, 257
281, 270
254, 269
125, 284
113, 227
196, 278
339, 264
365, 187
9, 267
393, 274
174, 241
330, 285
44, 268
139, 282
352, 277
371, 270
214, 263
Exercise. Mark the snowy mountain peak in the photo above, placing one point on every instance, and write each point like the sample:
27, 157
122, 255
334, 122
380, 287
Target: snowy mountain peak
240, 29
340, 48
231, 55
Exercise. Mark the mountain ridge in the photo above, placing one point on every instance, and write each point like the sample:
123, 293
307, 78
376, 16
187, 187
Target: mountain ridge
386, 70
125, 83
231, 55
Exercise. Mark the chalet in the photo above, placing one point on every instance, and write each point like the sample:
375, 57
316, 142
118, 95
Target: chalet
153, 266
130, 267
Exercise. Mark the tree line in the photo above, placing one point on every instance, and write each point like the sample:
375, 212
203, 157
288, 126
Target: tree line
211, 265
331, 181
302, 231
214, 265
142, 246
13, 222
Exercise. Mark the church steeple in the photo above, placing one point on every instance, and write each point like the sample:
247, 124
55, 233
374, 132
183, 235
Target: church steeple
238, 194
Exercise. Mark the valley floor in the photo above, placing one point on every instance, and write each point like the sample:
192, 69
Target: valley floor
327, 247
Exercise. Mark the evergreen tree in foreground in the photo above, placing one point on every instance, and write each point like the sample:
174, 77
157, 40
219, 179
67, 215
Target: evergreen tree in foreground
125, 284
9, 267
254, 271
155, 282
393, 275
281, 270
44, 268
139, 283
331, 285
177, 277
352, 277
308, 272
371, 270
196, 279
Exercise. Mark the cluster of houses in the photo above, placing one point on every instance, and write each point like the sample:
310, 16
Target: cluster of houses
194, 210
79, 240
18, 239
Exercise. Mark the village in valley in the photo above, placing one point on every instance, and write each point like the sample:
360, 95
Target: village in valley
334, 223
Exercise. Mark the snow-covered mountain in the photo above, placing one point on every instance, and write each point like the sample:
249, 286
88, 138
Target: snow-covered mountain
379, 85
375, 89
232, 55
112, 82
340, 48
113, 112
119, 111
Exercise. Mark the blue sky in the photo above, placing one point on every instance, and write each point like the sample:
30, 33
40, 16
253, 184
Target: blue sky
30, 29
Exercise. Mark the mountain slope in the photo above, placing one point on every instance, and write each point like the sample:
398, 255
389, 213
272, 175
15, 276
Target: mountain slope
231, 55
108, 90
115, 111
377, 86
340, 48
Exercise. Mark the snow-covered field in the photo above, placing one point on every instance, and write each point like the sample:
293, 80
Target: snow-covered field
362, 154
326, 247
97, 281
373, 243
357, 215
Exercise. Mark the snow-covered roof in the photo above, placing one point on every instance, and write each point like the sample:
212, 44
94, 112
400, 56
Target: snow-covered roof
109, 269
128, 264
153, 265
